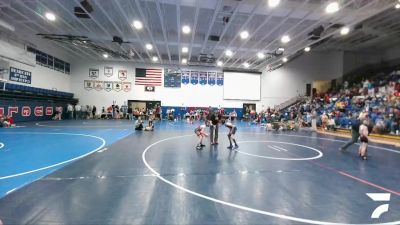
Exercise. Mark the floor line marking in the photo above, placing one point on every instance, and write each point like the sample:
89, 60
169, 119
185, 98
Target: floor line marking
280, 148
158, 176
60, 163
1, 145
272, 147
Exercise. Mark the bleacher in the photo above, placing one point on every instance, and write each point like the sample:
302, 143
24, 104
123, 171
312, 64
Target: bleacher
26, 92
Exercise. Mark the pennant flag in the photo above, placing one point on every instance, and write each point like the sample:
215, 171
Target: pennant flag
150, 77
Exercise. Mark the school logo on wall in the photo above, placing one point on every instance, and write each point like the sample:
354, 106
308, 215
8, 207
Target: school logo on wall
220, 79
108, 71
122, 74
126, 86
203, 78
88, 84
149, 88
98, 85
94, 73
211, 78
185, 77
117, 85
108, 85
194, 77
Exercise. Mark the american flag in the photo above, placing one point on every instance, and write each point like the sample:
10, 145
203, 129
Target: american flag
149, 77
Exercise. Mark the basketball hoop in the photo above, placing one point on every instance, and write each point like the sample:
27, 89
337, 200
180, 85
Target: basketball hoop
3, 77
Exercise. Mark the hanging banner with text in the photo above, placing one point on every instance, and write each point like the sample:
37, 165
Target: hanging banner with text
20, 76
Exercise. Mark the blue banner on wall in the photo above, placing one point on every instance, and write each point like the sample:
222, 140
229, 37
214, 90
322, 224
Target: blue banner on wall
203, 78
211, 78
220, 79
172, 78
185, 77
194, 77
30, 110
20, 76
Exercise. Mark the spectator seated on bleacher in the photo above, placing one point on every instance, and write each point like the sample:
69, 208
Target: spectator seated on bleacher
6, 121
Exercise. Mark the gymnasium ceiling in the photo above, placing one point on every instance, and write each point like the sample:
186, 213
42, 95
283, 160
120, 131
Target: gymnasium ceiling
373, 24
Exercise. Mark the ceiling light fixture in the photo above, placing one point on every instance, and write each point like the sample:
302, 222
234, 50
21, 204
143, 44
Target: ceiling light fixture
285, 39
246, 65
397, 6
228, 53
185, 49
281, 49
332, 7
285, 59
149, 46
273, 3
50, 16
307, 49
186, 29
244, 34
105, 55
137, 24
155, 59
344, 30
184, 61
219, 63
260, 55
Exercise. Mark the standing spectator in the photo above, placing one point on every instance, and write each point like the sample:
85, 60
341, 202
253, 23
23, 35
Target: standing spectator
158, 112
77, 111
124, 110
70, 111
83, 112
130, 113
94, 110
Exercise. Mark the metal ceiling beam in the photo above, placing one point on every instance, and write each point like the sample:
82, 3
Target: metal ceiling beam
147, 27
132, 29
211, 25
196, 16
99, 25
55, 43
178, 28
40, 26
287, 17
116, 28
68, 25
360, 19
249, 18
318, 22
247, 40
226, 27
163, 27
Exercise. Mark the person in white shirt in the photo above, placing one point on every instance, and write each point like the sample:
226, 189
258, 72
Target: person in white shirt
70, 111
77, 111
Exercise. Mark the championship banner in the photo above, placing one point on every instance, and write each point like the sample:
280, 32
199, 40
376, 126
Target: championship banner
108, 71
88, 84
94, 73
122, 74
20, 76
126, 86
117, 85
185, 77
194, 77
172, 78
211, 78
108, 85
98, 85
203, 78
220, 78
149, 88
